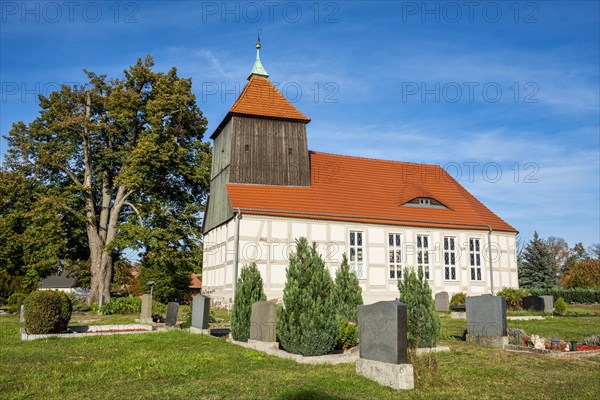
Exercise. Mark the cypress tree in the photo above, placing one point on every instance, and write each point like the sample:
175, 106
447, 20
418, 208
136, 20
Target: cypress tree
249, 290
537, 268
306, 324
347, 294
423, 320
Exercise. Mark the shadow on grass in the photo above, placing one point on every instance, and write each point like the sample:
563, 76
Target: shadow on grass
302, 394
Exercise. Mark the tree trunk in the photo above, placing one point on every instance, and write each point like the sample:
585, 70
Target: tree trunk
101, 271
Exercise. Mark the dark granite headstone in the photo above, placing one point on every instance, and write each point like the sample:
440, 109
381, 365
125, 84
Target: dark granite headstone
263, 320
442, 302
172, 310
382, 331
486, 315
200, 311
533, 303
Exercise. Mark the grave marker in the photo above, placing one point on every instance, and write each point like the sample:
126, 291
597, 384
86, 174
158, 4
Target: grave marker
172, 310
486, 320
442, 302
200, 311
263, 320
146, 314
383, 345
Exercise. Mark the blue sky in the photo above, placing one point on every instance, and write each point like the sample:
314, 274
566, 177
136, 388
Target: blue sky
504, 95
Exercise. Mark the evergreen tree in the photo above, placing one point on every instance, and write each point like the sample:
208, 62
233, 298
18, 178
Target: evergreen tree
307, 322
423, 320
347, 292
248, 291
537, 268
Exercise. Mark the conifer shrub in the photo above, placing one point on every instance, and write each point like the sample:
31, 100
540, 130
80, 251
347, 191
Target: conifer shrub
47, 311
347, 294
560, 307
307, 323
423, 321
458, 299
249, 290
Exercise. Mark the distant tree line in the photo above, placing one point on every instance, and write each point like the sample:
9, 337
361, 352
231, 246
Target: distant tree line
551, 263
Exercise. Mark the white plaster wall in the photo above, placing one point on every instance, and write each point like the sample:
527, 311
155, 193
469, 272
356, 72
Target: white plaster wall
268, 241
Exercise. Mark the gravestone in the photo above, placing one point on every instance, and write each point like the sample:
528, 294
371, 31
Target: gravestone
548, 303
21, 314
486, 320
533, 303
172, 310
539, 303
442, 302
383, 345
146, 315
200, 311
263, 319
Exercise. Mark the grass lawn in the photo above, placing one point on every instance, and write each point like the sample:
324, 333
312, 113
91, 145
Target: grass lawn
179, 365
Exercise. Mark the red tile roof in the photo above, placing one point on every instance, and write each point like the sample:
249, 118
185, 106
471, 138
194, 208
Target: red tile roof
346, 188
261, 98
196, 282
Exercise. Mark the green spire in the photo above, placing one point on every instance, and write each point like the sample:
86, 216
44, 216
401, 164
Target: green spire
258, 68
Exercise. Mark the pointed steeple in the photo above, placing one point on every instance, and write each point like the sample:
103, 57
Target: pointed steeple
258, 68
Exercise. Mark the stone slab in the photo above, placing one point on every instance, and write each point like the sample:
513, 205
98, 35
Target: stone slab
146, 313
533, 303
486, 315
396, 376
200, 311
548, 303
172, 310
383, 332
492, 341
442, 302
263, 321
21, 313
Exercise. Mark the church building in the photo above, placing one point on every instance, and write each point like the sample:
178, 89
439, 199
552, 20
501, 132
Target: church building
267, 189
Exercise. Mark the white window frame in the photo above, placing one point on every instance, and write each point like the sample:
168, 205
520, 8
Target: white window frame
450, 258
423, 256
354, 251
395, 249
475, 255
424, 201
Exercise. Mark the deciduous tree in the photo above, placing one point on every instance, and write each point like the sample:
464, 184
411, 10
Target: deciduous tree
125, 158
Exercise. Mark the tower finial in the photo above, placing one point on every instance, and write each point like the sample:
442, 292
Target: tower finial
258, 69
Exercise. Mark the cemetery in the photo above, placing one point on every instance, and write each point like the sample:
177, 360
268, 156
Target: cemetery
318, 342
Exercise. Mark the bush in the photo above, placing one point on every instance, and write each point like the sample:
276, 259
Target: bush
307, 323
47, 311
248, 291
514, 298
458, 299
423, 321
560, 307
346, 292
348, 333
122, 305
79, 303
576, 295
13, 301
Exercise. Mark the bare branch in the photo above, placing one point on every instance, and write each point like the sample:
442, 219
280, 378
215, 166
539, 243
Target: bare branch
136, 211
69, 173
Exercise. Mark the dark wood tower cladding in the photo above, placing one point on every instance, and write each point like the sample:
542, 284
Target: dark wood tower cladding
261, 141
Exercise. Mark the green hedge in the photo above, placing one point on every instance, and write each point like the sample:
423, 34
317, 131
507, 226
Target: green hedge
577, 295
128, 305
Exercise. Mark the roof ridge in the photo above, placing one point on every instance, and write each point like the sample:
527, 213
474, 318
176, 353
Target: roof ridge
375, 159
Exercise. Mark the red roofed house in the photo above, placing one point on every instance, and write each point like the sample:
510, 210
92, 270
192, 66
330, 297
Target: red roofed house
267, 189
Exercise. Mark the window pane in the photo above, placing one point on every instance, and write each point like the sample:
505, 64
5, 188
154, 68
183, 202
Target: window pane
446, 258
452, 244
478, 260
478, 274
426, 257
425, 242
398, 240
452, 259
391, 256
472, 273
359, 254
352, 241
391, 240
392, 273
445, 243
398, 256
359, 238
453, 274
472, 259
477, 245
418, 241
447, 273
471, 244
420, 257
352, 254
